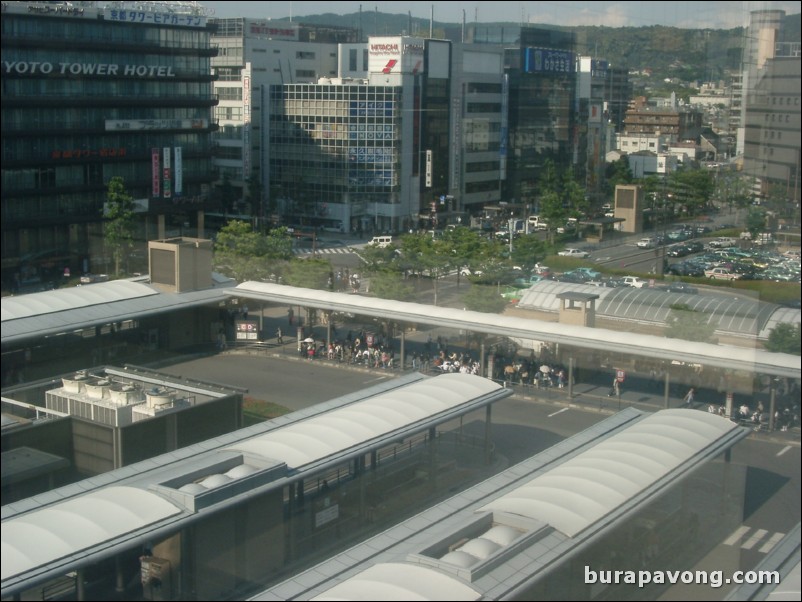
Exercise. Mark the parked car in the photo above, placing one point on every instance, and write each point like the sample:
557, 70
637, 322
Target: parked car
722, 274
587, 273
635, 282
722, 242
570, 252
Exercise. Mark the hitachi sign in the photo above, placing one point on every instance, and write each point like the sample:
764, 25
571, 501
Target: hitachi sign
384, 48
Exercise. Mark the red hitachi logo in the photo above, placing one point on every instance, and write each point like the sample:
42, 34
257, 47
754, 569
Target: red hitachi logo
389, 66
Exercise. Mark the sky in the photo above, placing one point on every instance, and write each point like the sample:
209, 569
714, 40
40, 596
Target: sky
693, 15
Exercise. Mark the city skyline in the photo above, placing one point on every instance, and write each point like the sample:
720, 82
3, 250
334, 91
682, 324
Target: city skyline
686, 15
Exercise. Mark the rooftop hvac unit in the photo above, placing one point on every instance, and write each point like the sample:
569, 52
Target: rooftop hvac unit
76, 383
124, 394
158, 398
98, 390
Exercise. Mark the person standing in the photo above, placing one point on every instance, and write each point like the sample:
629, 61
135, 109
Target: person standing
688, 399
279, 336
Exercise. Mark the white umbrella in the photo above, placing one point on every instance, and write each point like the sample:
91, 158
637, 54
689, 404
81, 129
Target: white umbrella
545, 369
309, 340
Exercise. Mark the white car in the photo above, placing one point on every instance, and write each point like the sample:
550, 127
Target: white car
634, 282
646, 243
573, 253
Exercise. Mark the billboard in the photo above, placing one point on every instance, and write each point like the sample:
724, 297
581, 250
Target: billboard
398, 54
544, 60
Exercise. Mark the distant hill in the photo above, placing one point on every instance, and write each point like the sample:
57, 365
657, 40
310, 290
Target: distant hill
689, 54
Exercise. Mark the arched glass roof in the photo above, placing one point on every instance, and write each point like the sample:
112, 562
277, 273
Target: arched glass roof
580, 491
336, 431
43, 536
730, 313
397, 581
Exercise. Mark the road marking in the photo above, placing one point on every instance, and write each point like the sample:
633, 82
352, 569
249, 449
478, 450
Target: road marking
740, 532
783, 450
375, 380
558, 412
767, 547
750, 543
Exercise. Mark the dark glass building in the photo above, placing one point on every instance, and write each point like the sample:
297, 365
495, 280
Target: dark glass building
541, 65
91, 93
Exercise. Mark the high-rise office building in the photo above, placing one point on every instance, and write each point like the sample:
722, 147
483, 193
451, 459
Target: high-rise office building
92, 92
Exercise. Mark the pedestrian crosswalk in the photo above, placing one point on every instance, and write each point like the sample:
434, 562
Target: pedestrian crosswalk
332, 251
750, 538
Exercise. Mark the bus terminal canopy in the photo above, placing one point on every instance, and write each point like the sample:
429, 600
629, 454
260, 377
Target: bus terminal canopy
598, 339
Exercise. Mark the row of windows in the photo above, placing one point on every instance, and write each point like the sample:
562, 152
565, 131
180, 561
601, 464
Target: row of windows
322, 92
228, 132
228, 74
483, 88
471, 187
103, 33
483, 107
480, 166
228, 113
100, 88
228, 93
64, 118
778, 100
773, 117
229, 152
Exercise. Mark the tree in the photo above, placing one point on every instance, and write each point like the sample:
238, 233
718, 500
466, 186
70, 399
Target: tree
785, 338
485, 299
689, 324
390, 285
119, 226
309, 273
755, 222
618, 172
239, 252
528, 251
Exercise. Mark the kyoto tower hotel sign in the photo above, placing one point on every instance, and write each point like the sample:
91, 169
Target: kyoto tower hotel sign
395, 55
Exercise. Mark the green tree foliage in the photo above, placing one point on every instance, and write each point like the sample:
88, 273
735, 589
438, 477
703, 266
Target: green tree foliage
785, 338
309, 273
692, 189
243, 254
119, 225
527, 251
618, 173
690, 325
755, 222
485, 299
391, 285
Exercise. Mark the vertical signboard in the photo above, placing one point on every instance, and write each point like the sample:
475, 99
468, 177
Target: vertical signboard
155, 172
178, 172
428, 169
246, 121
503, 138
167, 188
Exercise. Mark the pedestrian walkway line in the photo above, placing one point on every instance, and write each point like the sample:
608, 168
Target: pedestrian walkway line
769, 545
750, 543
783, 450
739, 533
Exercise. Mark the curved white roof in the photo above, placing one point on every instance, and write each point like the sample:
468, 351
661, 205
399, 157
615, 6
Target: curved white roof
45, 535
336, 431
37, 304
397, 581
585, 488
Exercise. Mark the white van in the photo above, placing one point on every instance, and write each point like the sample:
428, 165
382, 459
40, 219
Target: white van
381, 241
537, 223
